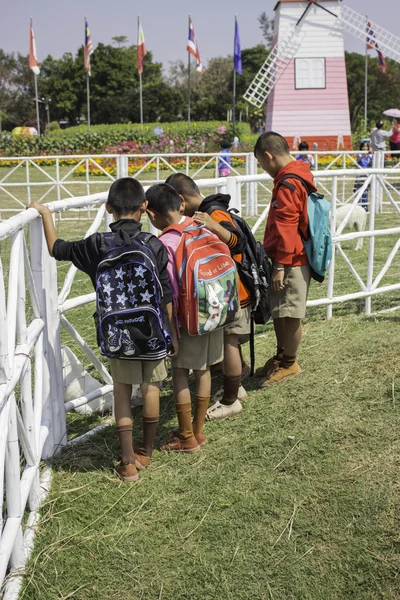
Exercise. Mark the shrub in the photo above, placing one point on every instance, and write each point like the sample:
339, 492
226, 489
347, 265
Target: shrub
124, 138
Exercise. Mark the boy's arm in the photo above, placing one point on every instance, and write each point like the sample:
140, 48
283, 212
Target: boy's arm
84, 254
227, 233
50, 232
289, 206
223, 234
175, 343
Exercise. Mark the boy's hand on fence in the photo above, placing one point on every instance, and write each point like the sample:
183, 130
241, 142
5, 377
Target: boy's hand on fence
277, 279
205, 219
39, 207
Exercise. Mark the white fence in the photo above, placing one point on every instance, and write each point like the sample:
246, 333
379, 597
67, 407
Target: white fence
52, 178
32, 407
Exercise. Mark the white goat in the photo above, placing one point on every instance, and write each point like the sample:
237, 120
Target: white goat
357, 219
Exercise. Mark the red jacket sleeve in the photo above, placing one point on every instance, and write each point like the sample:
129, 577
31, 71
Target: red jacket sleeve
289, 206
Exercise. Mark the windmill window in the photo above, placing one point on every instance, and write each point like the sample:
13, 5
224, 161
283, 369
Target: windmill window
310, 73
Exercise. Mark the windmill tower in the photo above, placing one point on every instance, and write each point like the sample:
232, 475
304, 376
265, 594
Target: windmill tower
304, 77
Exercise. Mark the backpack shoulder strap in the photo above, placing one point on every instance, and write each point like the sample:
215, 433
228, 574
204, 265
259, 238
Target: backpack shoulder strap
284, 181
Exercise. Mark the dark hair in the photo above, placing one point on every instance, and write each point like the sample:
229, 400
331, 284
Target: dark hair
163, 198
379, 124
303, 146
226, 144
183, 184
126, 195
362, 144
271, 142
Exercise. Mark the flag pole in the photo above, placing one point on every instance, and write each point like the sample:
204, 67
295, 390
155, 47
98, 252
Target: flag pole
36, 99
37, 105
88, 100
366, 80
189, 84
140, 83
234, 88
87, 83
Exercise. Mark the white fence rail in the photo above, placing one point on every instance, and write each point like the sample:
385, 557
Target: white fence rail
50, 178
32, 407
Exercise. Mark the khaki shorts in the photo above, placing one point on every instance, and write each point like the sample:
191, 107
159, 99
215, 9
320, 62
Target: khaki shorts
291, 301
137, 371
242, 325
198, 352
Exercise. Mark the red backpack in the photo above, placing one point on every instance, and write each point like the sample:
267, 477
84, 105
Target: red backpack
207, 279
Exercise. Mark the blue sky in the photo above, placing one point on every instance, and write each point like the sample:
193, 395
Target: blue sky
59, 26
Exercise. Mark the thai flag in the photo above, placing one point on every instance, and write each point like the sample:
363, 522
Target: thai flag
88, 49
193, 48
141, 48
373, 45
33, 61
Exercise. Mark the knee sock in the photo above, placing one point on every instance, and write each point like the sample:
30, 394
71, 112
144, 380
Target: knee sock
125, 440
184, 414
200, 412
287, 361
231, 388
279, 353
149, 433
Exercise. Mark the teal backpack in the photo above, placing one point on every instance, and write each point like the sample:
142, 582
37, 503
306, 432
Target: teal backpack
318, 247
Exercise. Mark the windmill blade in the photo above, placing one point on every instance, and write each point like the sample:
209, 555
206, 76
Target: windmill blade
274, 66
354, 23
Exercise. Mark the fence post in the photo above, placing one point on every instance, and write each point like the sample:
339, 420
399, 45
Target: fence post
371, 248
122, 166
231, 189
331, 272
378, 160
45, 277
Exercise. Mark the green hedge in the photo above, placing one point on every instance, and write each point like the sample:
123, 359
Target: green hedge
203, 136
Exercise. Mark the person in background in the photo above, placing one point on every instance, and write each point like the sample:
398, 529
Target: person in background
225, 160
379, 137
364, 160
303, 147
395, 138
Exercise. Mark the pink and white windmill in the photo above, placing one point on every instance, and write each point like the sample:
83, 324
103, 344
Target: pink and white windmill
304, 76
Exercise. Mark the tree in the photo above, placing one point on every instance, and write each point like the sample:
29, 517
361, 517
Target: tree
383, 88
64, 81
267, 27
120, 40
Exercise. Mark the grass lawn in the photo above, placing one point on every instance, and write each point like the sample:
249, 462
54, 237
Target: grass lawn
295, 498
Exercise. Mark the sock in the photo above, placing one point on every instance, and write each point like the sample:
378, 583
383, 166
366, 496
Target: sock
184, 414
149, 433
231, 388
279, 353
200, 412
287, 361
125, 440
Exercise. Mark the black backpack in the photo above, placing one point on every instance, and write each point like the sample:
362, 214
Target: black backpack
254, 270
129, 318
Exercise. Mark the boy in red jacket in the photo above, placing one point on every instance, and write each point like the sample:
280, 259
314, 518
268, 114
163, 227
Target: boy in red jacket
287, 226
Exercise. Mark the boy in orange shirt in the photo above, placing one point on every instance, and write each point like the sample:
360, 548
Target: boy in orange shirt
287, 226
212, 211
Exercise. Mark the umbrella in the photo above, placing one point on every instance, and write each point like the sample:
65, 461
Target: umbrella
392, 112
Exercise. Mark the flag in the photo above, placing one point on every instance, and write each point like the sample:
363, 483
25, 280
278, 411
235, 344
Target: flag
372, 44
33, 62
193, 48
88, 49
141, 48
237, 53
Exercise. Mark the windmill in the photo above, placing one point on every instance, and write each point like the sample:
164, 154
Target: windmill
304, 76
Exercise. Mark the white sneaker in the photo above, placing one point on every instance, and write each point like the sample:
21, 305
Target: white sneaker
223, 411
242, 394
